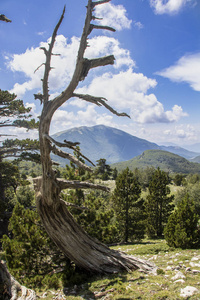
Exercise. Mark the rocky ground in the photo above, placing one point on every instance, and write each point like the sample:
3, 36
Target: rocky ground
178, 277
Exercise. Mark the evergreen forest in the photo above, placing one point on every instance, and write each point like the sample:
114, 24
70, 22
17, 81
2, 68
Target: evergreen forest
147, 204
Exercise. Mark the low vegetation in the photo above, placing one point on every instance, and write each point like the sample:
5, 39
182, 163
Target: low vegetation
172, 263
35, 261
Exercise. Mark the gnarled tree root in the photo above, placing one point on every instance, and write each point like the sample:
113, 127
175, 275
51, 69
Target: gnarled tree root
10, 288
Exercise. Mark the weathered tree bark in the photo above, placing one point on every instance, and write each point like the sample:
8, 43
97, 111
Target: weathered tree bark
86, 252
11, 288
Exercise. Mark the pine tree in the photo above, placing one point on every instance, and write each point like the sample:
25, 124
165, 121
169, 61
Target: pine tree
158, 203
129, 206
181, 229
30, 254
13, 113
103, 169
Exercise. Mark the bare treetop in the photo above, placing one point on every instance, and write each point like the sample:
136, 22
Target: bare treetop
85, 251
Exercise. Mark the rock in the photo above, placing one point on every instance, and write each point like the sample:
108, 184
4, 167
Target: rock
188, 269
179, 281
188, 291
195, 258
179, 275
195, 271
44, 295
192, 264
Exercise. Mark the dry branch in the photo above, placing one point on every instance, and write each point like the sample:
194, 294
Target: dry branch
94, 63
100, 101
102, 27
76, 184
70, 157
69, 145
48, 54
75, 206
99, 2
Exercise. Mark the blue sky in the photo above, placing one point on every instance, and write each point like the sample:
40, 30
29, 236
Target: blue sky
155, 79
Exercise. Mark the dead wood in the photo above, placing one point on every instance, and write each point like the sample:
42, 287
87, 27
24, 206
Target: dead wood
10, 288
87, 253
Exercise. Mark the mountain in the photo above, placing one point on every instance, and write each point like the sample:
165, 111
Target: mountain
196, 159
179, 151
105, 142
112, 144
193, 147
166, 161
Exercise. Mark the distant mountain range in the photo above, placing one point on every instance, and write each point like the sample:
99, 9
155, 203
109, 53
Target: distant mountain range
165, 160
113, 144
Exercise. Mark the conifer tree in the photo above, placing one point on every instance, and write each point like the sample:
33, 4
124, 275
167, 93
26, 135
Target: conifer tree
181, 229
158, 203
129, 206
30, 253
103, 169
13, 113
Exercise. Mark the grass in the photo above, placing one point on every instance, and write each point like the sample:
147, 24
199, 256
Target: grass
137, 285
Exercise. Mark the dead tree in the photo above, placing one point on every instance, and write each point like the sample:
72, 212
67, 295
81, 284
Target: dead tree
76, 244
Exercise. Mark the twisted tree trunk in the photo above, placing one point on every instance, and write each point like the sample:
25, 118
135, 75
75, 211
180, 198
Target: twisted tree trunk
86, 252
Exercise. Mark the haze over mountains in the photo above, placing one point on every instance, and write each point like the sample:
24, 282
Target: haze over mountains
113, 144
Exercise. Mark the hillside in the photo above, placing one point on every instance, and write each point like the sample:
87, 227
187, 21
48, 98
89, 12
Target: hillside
112, 144
166, 161
196, 159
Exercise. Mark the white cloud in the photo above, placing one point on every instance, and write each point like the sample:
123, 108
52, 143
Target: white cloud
113, 16
138, 25
102, 45
41, 33
29, 61
20, 133
187, 69
182, 132
64, 64
88, 116
169, 6
127, 91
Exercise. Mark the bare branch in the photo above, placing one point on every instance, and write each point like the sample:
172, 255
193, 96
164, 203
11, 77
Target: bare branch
39, 96
69, 156
96, 18
5, 19
45, 50
48, 59
100, 2
96, 62
69, 145
75, 206
43, 64
92, 26
75, 184
100, 101
56, 54
54, 163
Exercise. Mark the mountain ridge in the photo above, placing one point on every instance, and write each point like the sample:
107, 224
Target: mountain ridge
165, 160
113, 144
